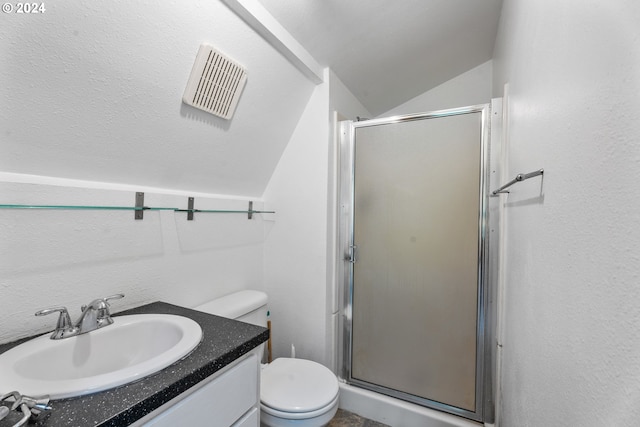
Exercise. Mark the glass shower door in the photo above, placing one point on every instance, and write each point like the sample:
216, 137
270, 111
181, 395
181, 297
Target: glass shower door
416, 256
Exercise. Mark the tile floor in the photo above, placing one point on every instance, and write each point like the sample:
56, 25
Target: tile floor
349, 419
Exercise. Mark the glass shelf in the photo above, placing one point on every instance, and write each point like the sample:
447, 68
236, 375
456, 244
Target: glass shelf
77, 207
221, 211
139, 208
129, 208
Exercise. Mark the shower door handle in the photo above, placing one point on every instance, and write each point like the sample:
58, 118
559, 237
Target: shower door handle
352, 256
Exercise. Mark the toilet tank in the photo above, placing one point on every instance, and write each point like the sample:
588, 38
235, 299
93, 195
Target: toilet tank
246, 306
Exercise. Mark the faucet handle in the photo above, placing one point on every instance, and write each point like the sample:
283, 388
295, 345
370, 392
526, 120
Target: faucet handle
64, 320
101, 303
116, 296
101, 313
104, 311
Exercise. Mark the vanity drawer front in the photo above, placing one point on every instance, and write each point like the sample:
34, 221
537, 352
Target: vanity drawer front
251, 419
218, 403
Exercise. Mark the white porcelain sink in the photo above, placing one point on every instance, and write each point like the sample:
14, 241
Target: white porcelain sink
131, 348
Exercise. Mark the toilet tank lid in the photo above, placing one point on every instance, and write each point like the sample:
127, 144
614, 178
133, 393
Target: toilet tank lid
235, 305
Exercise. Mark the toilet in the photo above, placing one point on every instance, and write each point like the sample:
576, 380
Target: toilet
293, 392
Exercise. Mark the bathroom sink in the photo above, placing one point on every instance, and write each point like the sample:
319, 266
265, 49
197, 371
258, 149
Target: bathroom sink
131, 348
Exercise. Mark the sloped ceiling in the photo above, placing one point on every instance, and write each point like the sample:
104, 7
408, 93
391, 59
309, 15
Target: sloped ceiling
92, 90
387, 52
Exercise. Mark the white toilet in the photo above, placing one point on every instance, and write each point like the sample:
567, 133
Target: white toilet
293, 392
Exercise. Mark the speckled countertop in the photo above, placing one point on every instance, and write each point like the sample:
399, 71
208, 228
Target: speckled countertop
224, 340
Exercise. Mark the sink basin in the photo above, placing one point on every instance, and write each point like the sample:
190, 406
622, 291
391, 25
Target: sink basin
131, 348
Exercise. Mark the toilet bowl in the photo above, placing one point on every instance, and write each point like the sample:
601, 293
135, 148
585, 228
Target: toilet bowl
293, 392
297, 392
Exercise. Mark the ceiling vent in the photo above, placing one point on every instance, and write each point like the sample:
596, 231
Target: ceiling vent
215, 83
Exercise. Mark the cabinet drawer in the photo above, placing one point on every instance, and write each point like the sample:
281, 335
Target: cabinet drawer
219, 402
251, 419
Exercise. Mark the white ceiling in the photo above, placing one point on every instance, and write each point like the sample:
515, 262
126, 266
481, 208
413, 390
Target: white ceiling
387, 52
94, 91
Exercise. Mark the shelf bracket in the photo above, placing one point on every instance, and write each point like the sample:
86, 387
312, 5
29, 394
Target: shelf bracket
139, 212
250, 211
190, 210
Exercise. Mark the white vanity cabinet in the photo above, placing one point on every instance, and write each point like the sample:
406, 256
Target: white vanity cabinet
229, 398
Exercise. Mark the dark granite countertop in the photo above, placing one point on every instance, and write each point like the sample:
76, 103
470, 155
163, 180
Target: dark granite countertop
224, 340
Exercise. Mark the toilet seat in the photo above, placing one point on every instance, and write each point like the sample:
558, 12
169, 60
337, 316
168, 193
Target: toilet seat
297, 388
299, 415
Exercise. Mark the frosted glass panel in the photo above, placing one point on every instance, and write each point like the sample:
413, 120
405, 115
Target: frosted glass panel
415, 282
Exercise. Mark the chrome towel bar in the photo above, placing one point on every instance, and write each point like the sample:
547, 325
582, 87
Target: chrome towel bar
518, 178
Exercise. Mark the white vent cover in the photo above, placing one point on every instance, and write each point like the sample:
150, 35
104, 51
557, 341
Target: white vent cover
215, 83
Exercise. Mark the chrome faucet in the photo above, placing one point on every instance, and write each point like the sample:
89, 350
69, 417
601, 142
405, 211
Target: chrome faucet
95, 315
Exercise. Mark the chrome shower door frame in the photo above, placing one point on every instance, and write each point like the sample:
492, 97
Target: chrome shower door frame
347, 253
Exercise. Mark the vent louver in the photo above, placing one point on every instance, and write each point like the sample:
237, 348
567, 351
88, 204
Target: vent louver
215, 83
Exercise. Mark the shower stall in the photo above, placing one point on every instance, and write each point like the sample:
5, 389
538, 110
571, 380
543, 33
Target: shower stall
413, 223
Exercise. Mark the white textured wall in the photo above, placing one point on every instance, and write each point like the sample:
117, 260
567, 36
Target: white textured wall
470, 88
69, 257
571, 344
295, 248
299, 260
92, 90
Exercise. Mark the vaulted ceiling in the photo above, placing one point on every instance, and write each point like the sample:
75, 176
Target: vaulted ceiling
387, 52
92, 91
